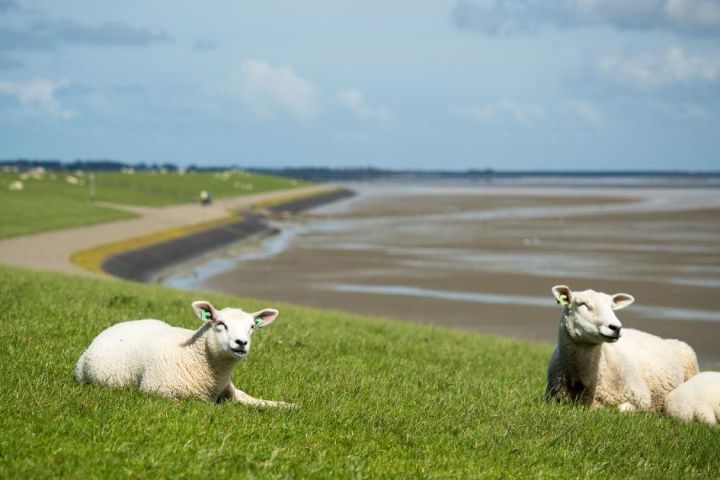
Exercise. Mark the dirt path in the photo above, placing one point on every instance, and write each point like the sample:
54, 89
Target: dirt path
52, 250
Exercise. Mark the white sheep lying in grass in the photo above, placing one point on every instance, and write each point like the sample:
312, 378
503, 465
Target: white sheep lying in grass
176, 362
595, 364
696, 399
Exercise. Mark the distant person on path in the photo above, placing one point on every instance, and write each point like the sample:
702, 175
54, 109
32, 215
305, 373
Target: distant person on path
205, 198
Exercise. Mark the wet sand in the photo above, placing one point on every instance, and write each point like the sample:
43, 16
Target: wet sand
484, 258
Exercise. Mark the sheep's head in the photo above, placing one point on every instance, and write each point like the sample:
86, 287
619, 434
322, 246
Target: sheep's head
231, 329
589, 316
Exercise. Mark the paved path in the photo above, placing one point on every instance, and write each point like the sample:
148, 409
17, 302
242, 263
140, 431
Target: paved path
52, 250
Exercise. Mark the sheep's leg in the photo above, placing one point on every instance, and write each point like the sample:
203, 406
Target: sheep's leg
234, 394
640, 401
637, 395
555, 388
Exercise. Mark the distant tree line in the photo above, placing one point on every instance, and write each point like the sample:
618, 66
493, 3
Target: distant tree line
94, 165
323, 174
101, 165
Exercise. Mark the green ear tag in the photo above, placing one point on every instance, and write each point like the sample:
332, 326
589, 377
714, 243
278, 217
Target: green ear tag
205, 314
258, 322
563, 299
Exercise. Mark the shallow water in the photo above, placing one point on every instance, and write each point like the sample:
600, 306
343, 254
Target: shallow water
485, 258
546, 302
192, 275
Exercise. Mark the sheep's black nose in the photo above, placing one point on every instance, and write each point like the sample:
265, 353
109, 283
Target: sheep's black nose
241, 343
615, 328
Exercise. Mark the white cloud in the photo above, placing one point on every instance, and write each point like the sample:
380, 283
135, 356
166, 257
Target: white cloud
508, 112
46, 35
689, 13
672, 67
503, 16
686, 111
502, 112
38, 96
271, 89
354, 100
582, 112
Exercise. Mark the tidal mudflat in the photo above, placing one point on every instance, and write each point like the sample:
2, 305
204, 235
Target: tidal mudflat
484, 258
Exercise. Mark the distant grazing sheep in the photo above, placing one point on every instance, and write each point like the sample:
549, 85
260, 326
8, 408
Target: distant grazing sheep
696, 399
16, 186
176, 362
597, 362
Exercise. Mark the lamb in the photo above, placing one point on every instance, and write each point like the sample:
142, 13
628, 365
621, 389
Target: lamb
176, 362
696, 399
598, 363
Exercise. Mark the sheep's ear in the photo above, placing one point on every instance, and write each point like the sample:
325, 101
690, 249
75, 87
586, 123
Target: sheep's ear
621, 300
205, 311
265, 316
562, 294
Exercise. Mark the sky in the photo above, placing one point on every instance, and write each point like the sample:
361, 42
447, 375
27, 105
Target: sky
444, 84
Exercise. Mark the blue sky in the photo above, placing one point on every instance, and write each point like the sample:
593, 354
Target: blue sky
456, 84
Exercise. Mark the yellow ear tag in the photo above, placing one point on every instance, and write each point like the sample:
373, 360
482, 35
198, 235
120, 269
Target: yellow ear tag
563, 300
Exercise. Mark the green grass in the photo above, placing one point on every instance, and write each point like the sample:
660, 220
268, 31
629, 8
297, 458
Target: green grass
156, 190
23, 213
53, 203
379, 399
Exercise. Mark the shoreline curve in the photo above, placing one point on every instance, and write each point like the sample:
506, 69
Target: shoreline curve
144, 263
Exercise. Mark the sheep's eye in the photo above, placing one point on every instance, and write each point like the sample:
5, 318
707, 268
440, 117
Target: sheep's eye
221, 324
584, 305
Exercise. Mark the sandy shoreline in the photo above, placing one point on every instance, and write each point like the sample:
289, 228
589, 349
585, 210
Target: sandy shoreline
444, 256
149, 261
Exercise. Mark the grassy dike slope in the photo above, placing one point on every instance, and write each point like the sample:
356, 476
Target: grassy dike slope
379, 398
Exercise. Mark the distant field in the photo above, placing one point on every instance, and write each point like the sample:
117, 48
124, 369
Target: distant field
158, 190
52, 202
31, 211
379, 399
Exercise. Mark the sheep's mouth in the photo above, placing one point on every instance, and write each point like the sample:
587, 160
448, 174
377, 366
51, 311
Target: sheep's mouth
240, 351
611, 339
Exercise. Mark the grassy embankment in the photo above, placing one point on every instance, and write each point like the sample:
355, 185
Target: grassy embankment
52, 203
379, 398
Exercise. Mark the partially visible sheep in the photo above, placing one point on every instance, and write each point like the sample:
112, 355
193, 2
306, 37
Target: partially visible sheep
696, 399
16, 186
596, 364
176, 362
37, 173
